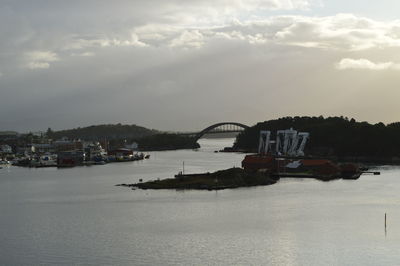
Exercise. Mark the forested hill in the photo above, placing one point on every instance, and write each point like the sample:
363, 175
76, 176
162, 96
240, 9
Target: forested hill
337, 136
99, 132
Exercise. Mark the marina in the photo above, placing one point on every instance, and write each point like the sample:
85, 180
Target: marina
75, 154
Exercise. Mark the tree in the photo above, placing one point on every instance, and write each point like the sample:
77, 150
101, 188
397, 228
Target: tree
49, 133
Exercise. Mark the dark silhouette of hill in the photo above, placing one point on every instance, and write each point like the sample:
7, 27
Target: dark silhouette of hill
100, 132
332, 136
118, 135
166, 141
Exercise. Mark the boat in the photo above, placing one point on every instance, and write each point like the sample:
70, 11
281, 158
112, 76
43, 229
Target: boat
24, 161
49, 160
46, 160
4, 162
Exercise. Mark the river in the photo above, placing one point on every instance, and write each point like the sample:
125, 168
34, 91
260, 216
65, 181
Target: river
77, 216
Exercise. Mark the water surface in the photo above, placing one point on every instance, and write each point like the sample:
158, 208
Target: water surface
77, 216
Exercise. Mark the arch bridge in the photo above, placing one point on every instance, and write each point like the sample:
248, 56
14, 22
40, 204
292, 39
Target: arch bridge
223, 127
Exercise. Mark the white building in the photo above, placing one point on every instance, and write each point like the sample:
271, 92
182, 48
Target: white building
43, 148
133, 146
5, 148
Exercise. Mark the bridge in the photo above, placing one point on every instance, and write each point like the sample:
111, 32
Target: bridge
223, 127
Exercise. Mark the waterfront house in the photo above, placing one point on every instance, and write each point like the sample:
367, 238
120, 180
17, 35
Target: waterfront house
70, 158
8, 135
67, 145
43, 148
133, 146
5, 149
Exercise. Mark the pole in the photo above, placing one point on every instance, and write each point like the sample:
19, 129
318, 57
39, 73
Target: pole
183, 167
385, 225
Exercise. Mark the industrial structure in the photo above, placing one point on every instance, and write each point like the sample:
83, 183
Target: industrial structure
284, 157
288, 143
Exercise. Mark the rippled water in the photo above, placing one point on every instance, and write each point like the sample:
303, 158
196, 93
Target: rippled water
78, 217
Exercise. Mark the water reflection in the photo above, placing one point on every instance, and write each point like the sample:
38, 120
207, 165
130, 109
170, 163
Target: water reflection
78, 216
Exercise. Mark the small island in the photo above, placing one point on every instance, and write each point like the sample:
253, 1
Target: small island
233, 178
224, 179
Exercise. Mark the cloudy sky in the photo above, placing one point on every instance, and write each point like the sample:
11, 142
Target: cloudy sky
185, 64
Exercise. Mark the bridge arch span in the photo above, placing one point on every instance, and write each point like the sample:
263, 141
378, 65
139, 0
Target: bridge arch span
210, 128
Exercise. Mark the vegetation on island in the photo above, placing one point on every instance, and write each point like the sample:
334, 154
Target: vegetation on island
332, 136
230, 178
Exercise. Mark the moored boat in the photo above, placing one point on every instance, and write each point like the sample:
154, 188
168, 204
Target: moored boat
4, 162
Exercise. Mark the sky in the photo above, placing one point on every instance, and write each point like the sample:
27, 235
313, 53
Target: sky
182, 65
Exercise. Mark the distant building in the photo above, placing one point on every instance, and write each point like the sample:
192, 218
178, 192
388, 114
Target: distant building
133, 146
67, 145
8, 135
70, 158
26, 150
5, 149
38, 133
43, 148
122, 152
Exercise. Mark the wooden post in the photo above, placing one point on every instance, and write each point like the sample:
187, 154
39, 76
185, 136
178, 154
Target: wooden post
385, 225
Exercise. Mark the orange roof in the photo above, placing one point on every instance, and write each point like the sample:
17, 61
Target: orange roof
258, 159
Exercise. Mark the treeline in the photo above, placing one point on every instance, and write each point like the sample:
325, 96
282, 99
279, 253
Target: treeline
332, 136
167, 141
100, 132
118, 135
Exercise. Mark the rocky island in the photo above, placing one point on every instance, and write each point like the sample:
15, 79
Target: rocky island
224, 179
229, 179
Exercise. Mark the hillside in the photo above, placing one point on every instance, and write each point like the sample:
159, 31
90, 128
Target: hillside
332, 136
99, 132
8, 133
167, 141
